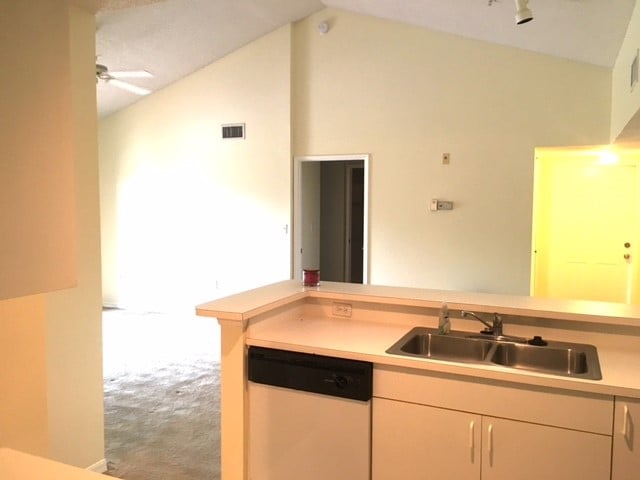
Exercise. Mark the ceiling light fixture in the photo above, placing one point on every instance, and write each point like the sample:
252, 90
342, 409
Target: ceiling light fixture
523, 13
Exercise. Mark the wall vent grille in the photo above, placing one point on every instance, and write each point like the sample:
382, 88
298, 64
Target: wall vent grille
233, 130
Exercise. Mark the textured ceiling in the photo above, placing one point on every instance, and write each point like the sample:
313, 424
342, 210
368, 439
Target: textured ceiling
109, 5
585, 30
173, 38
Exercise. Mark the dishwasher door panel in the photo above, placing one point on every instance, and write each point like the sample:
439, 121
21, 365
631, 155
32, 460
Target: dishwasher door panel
307, 436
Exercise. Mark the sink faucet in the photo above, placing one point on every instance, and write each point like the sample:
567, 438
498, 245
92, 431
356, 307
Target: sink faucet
494, 329
444, 324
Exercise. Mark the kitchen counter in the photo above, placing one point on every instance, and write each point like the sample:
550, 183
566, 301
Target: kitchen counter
245, 305
16, 465
362, 322
368, 341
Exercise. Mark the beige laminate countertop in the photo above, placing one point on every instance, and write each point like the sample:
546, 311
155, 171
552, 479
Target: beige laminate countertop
15, 465
362, 340
242, 306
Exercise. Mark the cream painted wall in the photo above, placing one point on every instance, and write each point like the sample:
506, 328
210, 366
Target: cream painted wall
406, 95
187, 216
50, 345
626, 103
23, 376
74, 316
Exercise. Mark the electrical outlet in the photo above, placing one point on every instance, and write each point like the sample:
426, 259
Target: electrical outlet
341, 309
437, 205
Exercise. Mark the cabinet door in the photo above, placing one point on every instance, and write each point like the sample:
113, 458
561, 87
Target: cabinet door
38, 133
626, 444
524, 451
415, 442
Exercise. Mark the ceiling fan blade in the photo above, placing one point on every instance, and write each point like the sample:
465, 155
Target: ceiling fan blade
131, 74
129, 87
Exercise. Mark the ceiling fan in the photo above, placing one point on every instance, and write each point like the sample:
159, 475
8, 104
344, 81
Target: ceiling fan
114, 78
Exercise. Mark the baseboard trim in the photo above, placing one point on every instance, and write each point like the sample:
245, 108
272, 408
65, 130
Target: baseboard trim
99, 467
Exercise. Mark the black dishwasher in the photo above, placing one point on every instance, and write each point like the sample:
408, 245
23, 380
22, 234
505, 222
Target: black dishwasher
309, 416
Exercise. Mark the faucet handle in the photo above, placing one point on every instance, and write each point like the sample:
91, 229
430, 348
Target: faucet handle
444, 324
497, 324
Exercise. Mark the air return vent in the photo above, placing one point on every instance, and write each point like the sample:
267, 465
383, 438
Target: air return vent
233, 130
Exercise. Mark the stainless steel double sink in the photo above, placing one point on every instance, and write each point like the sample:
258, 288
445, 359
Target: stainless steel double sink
554, 358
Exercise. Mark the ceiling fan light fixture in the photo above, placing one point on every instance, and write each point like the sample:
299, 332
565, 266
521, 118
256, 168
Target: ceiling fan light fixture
114, 78
129, 87
102, 72
131, 74
523, 12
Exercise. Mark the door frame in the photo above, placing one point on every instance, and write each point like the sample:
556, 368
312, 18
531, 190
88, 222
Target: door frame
297, 213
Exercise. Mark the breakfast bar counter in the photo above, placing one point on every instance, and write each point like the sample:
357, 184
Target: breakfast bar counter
361, 322
15, 465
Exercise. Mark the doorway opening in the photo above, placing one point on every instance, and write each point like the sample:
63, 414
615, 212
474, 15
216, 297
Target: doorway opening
586, 224
331, 217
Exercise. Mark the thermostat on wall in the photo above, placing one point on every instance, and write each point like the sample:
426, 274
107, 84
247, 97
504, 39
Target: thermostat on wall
436, 205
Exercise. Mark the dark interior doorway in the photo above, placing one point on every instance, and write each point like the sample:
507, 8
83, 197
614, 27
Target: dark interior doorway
332, 218
341, 220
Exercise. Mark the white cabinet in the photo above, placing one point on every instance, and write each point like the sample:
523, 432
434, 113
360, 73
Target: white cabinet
626, 440
413, 441
525, 451
439, 427
37, 169
420, 442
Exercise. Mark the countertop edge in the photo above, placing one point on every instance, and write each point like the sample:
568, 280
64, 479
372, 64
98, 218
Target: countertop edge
14, 463
245, 305
527, 378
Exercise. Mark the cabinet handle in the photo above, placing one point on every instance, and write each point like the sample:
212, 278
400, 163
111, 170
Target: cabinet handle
626, 431
490, 443
472, 426
625, 421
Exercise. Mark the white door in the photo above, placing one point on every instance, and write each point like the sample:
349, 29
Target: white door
586, 241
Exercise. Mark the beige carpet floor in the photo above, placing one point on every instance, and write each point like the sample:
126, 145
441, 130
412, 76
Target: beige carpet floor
161, 396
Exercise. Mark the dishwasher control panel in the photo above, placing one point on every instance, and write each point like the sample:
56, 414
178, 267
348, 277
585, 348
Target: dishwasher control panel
332, 376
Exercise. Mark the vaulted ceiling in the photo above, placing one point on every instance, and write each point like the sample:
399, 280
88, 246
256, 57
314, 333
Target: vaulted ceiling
173, 38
